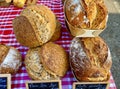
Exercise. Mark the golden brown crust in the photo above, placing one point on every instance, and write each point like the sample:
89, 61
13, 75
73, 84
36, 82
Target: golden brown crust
23, 35
86, 14
90, 59
11, 62
101, 17
38, 20
54, 59
3, 52
57, 32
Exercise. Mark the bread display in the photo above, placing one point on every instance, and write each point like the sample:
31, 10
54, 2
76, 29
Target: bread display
85, 18
10, 59
47, 62
90, 59
35, 25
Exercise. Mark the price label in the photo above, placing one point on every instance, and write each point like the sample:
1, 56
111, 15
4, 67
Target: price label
5, 81
51, 84
91, 85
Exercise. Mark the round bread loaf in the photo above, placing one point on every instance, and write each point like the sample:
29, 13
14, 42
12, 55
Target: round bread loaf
86, 14
90, 59
10, 59
47, 62
35, 25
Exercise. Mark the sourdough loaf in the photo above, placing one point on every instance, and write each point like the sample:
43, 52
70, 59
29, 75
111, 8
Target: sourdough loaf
35, 25
10, 59
90, 59
88, 14
47, 62
84, 17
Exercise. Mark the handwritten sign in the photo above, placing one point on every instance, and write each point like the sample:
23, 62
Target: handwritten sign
5, 81
51, 84
91, 85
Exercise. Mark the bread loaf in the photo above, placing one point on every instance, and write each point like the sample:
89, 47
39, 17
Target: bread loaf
90, 59
49, 61
10, 59
85, 15
35, 25
90, 14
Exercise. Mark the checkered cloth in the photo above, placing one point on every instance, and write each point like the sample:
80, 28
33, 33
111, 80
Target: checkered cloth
7, 37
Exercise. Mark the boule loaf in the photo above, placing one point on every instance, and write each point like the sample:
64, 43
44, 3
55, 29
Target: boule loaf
47, 62
35, 25
85, 18
90, 59
10, 59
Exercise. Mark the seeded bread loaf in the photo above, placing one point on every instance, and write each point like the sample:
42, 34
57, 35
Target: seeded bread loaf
35, 25
90, 59
34, 66
10, 59
49, 61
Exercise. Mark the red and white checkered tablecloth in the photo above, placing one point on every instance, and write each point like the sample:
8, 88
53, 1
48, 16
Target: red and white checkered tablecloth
7, 37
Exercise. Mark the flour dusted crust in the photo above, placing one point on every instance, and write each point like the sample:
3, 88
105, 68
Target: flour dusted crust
36, 22
86, 14
90, 59
10, 60
42, 64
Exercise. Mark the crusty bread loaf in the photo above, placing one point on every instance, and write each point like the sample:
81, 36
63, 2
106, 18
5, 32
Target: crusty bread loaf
10, 59
34, 66
35, 25
87, 14
90, 59
49, 61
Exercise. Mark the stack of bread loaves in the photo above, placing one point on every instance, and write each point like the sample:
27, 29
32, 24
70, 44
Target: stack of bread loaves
36, 26
90, 58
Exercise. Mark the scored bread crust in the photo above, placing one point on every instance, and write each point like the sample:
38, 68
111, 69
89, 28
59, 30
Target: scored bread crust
11, 59
86, 14
34, 66
54, 59
90, 59
40, 19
